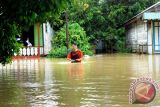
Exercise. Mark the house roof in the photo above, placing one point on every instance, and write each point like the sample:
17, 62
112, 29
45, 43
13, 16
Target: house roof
141, 13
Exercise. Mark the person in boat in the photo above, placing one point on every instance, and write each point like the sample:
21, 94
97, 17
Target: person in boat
75, 55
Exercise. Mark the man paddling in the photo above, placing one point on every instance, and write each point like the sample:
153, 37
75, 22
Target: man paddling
75, 55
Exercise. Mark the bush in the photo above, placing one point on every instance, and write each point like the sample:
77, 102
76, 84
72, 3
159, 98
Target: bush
76, 34
58, 52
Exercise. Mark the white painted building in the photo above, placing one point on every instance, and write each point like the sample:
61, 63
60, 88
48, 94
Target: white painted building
48, 35
143, 31
39, 37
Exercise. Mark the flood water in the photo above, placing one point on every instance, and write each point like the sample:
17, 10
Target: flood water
99, 81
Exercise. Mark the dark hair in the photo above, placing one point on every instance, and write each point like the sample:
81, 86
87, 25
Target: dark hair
74, 43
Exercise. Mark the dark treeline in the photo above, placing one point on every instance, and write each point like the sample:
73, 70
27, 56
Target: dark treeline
104, 19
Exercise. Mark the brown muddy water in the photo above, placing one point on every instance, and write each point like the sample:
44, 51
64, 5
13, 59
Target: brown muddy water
99, 81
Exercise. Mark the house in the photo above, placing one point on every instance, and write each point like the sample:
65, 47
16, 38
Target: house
36, 41
143, 31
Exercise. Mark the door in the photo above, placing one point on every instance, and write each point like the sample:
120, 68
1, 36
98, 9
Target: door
156, 36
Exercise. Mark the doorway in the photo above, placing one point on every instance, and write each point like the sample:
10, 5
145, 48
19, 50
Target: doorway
156, 36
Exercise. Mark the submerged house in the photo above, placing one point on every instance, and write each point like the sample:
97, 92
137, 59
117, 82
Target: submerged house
143, 31
36, 41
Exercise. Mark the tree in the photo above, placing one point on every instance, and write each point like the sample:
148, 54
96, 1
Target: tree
76, 34
18, 15
104, 19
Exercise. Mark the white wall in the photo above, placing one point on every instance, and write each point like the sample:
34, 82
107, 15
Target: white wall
137, 34
47, 34
150, 38
141, 32
131, 34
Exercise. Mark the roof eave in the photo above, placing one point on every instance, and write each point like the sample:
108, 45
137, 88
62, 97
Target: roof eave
140, 14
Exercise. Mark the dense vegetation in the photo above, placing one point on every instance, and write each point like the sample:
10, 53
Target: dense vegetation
101, 19
17, 16
76, 34
104, 19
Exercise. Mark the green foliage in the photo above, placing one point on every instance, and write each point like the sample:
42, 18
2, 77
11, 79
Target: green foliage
104, 19
8, 43
58, 52
121, 46
18, 15
76, 34
101, 19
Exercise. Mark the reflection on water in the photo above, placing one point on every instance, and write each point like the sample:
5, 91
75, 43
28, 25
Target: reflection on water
75, 71
100, 81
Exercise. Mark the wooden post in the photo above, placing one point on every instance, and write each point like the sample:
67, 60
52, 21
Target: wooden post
152, 36
38, 39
